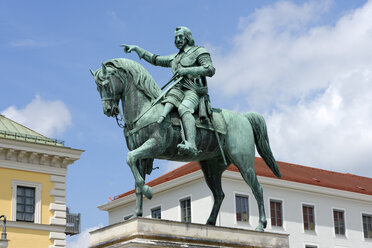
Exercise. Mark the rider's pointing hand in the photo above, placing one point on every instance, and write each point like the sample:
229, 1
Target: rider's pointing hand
128, 48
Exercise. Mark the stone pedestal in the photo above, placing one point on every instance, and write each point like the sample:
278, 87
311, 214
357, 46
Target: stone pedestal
150, 233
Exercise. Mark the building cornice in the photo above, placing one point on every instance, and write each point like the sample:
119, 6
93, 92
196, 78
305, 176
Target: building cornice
25, 156
33, 226
34, 168
60, 151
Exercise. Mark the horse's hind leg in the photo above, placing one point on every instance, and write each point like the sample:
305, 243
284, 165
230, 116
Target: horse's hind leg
249, 175
240, 150
212, 170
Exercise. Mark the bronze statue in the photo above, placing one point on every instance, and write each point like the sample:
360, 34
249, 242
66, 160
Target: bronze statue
152, 130
193, 63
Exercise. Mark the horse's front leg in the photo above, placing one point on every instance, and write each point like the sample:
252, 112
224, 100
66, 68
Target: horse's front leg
138, 212
148, 149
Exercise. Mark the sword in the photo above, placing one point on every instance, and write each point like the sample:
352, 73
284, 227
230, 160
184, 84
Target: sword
160, 97
169, 88
170, 80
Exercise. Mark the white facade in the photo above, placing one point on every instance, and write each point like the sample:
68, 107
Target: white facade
292, 195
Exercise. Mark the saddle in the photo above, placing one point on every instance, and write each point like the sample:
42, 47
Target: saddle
218, 119
175, 120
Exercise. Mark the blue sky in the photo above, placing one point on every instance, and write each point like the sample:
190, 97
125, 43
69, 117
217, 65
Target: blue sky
305, 65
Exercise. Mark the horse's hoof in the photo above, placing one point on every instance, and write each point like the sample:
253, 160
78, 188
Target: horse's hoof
211, 222
261, 226
147, 191
134, 216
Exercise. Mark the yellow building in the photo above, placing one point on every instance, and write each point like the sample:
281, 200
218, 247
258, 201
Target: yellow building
33, 172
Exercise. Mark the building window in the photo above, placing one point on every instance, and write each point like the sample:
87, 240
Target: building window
26, 201
156, 213
25, 204
367, 226
338, 218
241, 205
311, 246
276, 213
186, 210
308, 214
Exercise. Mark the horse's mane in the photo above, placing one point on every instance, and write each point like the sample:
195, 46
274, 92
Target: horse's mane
141, 77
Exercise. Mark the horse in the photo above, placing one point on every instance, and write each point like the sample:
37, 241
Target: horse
129, 82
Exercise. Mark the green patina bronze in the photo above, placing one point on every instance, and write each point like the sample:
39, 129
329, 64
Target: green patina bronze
154, 129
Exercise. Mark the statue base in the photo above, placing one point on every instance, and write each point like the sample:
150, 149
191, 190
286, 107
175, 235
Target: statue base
150, 233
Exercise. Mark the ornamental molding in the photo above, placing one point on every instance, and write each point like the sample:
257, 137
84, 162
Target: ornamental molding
16, 154
33, 167
31, 157
33, 226
61, 151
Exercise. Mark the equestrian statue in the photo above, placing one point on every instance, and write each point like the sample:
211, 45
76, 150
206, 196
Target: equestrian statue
179, 124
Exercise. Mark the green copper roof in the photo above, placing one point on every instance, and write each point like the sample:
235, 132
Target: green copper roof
12, 130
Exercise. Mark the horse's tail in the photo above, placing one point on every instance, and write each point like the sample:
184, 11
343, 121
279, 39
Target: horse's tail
262, 141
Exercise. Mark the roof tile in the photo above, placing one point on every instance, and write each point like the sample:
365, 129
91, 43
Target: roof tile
290, 172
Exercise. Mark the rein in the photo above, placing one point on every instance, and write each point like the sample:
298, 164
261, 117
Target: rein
117, 110
121, 121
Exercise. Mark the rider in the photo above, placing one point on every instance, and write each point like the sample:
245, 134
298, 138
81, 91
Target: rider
194, 64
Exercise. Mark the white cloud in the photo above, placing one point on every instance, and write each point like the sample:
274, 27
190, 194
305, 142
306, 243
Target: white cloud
280, 56
318, 78
332, 131
82, 240
48, 118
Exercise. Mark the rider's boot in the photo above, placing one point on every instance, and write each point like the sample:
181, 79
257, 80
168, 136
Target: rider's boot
167, 109
189, 147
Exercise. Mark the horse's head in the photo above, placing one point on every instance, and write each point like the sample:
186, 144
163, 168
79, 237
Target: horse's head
109, 87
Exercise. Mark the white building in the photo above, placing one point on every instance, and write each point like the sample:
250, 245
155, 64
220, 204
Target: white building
318, 208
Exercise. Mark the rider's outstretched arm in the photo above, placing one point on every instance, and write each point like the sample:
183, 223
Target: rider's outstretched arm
149, 57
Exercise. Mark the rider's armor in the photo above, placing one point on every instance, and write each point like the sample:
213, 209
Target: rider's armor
189, 92
185, 95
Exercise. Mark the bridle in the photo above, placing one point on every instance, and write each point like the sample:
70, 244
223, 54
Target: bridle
116, 109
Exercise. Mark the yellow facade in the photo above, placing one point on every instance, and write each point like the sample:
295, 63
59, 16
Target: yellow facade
27, 238
28, 159
6, 190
